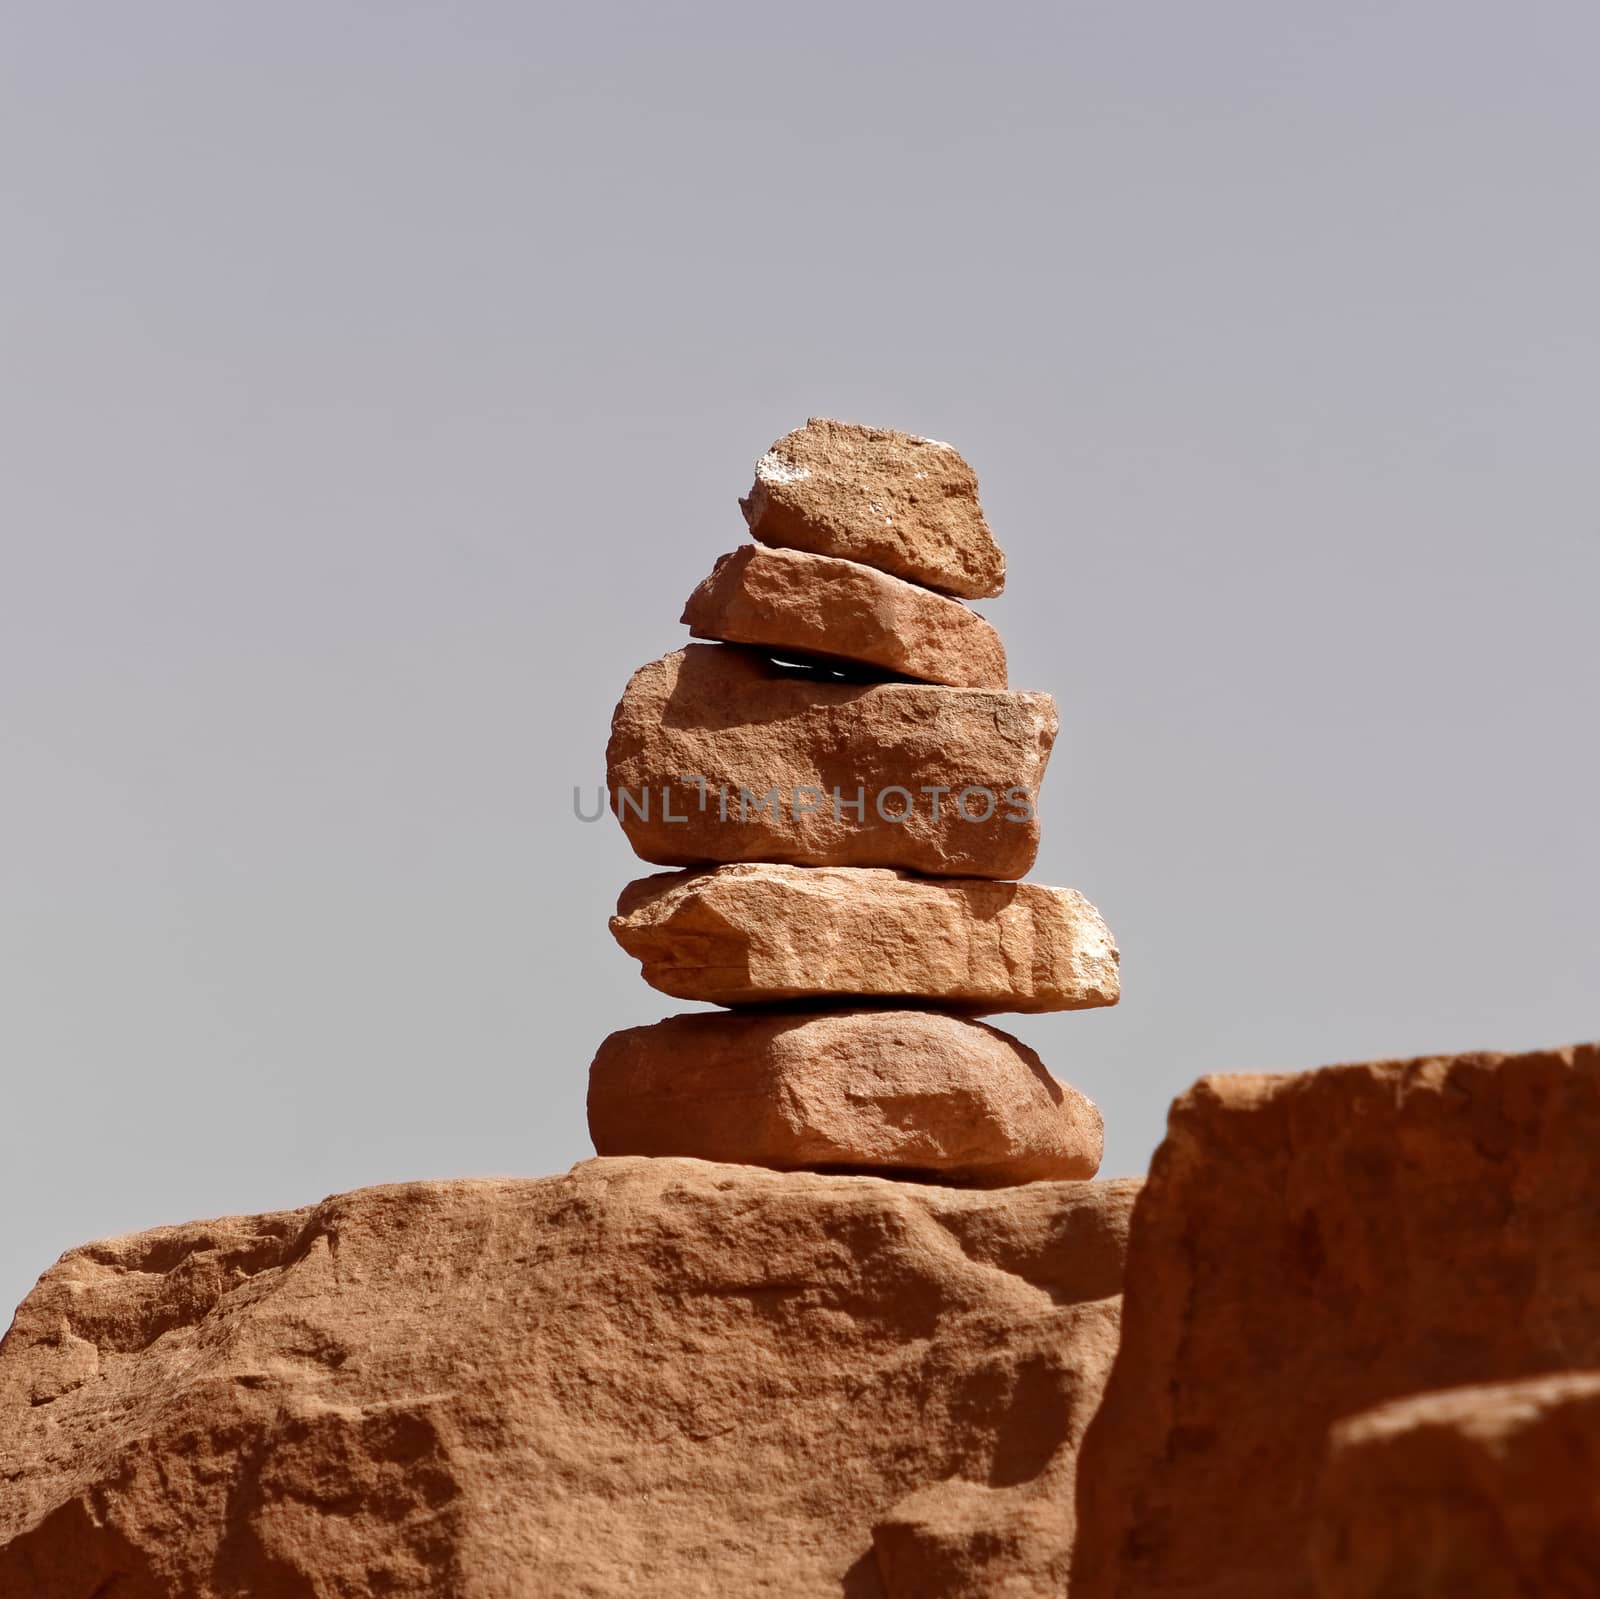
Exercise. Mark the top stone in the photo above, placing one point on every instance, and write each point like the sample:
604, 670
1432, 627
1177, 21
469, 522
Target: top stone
903, 504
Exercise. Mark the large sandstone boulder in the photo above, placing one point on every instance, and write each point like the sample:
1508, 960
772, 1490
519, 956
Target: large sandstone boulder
718, 754
1311, 1246
646, 1376
757, 934
892, 500
895, 1091
819, 608
1477, 1493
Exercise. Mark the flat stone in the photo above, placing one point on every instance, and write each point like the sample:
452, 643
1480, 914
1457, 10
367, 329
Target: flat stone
820, 608
1477, 1493
1308, 1247
868, 1090
766, 933
784, 758
645, 1376
904, 504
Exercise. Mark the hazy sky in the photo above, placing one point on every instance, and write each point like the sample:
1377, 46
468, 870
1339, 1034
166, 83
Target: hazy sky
379, 379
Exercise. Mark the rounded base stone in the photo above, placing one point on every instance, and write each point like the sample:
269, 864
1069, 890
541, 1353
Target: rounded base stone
894, 1092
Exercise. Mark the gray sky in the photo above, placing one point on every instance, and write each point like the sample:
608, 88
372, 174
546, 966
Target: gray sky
379, 379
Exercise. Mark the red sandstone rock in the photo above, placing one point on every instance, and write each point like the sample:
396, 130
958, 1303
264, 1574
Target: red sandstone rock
892, 500
886, 1091
654, 1376
1308, 1247
784, 760
1476, 1493
819, 608
756, 934
1006, 1540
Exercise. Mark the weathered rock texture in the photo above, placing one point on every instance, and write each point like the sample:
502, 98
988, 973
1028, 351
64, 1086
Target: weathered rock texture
817, 607
961, 1540
758, 934
1478, 1493
892, 500
645, 1376
905, 1091
819, 747
1311, 1246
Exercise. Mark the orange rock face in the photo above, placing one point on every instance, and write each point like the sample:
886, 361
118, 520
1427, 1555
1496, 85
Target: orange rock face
702, 1379
897, 1091
820, 608
716, 754
1006, 1539
905, 504
1476, 1493
1311, 1246
757, 934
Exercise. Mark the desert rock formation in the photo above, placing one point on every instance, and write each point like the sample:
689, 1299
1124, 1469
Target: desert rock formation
837, 1311
1308, 1247
848, 838
833, 1310
651, 1376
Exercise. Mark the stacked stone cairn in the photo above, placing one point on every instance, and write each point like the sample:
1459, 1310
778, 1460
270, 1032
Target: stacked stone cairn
850, 791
